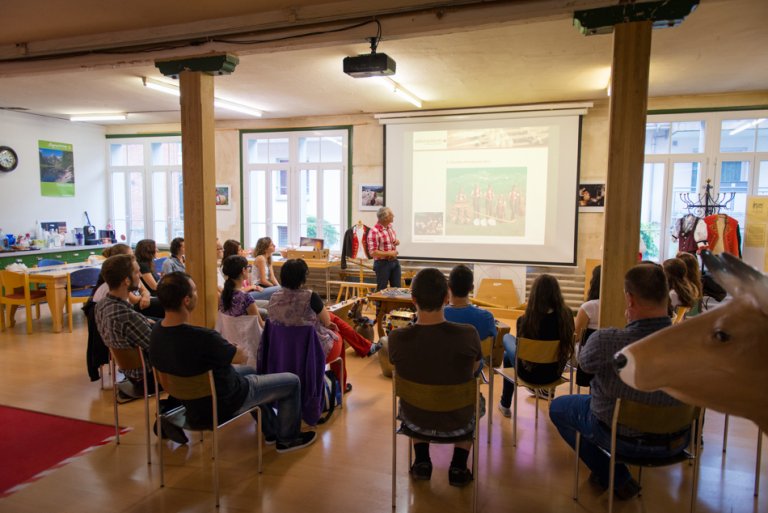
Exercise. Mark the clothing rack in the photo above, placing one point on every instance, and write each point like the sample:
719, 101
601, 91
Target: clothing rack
704, 205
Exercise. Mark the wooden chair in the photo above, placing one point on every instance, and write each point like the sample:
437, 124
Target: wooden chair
189, 389
131, 358
535, 351
487, 347
352, 289
48, 262
243, 331
496, 293
435, 398
680, 313
15, 291
162, 254
758, 456
79, 287
654, 420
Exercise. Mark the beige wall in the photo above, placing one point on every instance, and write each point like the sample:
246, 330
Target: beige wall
368, 155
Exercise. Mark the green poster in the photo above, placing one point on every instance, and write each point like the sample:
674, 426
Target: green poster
57, 169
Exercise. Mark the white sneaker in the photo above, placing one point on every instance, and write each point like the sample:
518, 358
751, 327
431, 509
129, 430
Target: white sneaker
505, 411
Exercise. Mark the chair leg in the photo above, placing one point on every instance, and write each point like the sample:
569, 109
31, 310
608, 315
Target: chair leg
725, 432
2, 317
490, 403
536, 414
514, 414
576, 473
146, 421
394, 445
114, 401
757, 464
29, 318
216, 463
259, 436
611, 474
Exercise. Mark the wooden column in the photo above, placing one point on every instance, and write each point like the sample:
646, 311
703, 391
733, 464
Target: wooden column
197, 141
626, 148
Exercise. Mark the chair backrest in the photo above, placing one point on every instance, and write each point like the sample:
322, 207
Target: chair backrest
486, 346
159, 263
163, 254
654, 419
499, 292
437, 398
84, 278
10, 281
680, 312
187, 388
243, 331
538, 351
47, 262
127, 358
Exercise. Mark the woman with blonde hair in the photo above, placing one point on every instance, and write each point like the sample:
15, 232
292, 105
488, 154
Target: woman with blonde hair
263, 273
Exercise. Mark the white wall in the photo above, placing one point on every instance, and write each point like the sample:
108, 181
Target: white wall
20, 201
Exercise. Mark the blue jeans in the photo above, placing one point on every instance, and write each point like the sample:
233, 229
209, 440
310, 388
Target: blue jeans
572, 413
510, 352
387, 273
264, 294
282, 388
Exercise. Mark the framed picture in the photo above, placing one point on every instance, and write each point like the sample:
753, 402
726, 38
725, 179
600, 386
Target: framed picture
371, 197
591, 196
223, 198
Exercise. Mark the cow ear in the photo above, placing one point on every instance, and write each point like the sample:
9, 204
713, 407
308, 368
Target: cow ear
739, 279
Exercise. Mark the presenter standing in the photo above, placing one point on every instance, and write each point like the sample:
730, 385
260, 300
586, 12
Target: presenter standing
382, 244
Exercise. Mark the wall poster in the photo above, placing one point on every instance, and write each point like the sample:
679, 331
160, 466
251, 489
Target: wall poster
57, 169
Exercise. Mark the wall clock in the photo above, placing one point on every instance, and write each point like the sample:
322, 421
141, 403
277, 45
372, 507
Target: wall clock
8, 159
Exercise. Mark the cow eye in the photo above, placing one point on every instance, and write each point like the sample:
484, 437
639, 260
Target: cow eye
722, 336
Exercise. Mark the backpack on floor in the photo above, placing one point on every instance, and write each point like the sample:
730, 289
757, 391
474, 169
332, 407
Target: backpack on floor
331, 395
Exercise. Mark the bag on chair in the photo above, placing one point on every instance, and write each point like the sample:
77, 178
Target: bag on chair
331, 395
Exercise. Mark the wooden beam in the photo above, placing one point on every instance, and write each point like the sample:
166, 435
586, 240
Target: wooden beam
197, 142
626, 149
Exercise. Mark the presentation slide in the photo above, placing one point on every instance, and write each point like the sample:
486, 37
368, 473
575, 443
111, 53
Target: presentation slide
484, 189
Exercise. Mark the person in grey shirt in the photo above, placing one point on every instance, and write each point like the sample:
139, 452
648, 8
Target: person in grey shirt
175, 262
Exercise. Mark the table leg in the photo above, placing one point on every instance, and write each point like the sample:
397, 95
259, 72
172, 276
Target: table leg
55, 295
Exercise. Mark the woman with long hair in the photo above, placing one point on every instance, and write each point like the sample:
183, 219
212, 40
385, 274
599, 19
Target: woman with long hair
681, 291
233, 247
693, 275
546, 317
586, 321
234, 301
145, 253
263, 273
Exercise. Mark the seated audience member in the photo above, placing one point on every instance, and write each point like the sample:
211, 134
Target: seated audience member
646, 297
175, 262
587, 320
233, 247
436, 352
681, 291
233, 301
460, 309
293, 305
693, 275
219, 258
146, 252
263, 273
179, 348
546, 317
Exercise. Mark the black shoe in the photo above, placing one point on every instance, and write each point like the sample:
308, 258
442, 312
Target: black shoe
459, 476
375, 348
594, 480
348, 388
628, 490
422, 471
305, 439
172, 432
270, 440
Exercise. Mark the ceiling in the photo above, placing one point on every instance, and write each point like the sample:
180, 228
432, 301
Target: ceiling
464, 54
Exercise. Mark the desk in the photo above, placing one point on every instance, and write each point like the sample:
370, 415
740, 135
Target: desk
55, 280
324, 265
389, 299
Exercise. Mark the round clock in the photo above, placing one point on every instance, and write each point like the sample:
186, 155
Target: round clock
8, 159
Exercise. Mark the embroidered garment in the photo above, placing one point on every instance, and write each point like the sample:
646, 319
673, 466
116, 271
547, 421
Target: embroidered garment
723, 234
689, 233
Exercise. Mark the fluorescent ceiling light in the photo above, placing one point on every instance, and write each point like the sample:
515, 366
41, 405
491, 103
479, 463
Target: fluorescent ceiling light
173, 89
400, 90
745, 126
99, 117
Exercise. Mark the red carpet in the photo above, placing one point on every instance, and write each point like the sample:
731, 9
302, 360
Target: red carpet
33, 443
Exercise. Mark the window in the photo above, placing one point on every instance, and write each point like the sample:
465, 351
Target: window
295, 186
146, 188
683, 152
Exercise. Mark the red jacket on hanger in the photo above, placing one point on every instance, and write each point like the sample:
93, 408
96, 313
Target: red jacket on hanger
731, 236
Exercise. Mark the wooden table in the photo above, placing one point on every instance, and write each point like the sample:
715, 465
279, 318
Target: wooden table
324, 265
55, 280
389, 300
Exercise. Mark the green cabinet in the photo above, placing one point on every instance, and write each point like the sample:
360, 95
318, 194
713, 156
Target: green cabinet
67, 254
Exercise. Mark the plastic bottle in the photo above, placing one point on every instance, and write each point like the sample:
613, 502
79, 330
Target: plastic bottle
3, 240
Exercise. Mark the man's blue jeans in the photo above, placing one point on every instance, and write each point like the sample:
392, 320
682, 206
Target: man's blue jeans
387, 273
282, 388
572, 413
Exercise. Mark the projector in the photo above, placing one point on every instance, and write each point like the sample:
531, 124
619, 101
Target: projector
369, 65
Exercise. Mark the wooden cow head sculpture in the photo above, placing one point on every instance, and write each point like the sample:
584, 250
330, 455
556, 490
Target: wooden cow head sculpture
718, 359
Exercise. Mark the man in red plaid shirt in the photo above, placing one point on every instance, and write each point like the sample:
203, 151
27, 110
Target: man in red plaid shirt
382, 244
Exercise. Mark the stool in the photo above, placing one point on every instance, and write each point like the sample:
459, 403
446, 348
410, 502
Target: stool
352, 289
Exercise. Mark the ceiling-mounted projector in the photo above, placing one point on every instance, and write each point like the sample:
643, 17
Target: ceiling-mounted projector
369, 65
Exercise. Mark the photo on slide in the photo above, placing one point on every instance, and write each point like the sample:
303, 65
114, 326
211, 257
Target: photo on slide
486, 201
428, 223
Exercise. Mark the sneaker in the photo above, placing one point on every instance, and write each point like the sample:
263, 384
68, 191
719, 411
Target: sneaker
172, 432
459, 476
270, 440
305, 439
375, 348
545, 394
628, 490
421, 471
505, 411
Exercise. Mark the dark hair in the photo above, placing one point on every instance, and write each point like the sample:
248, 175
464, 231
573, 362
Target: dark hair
647, 283
261, 248
293, 274
693, 272
231, 247
176, 245
117, 268
675, 270
172, 290
545, 297
117, 249
594, 284
231, 267
429, 289
145, 253
461, 280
